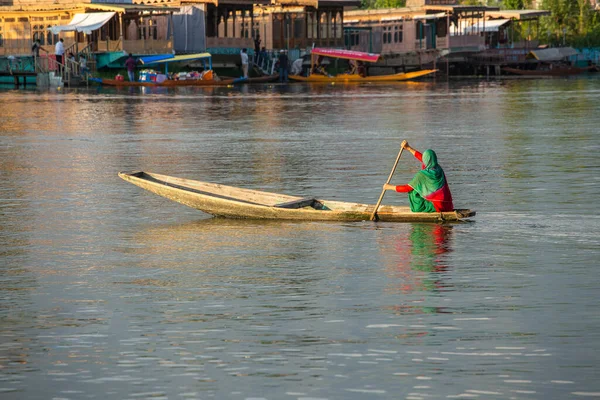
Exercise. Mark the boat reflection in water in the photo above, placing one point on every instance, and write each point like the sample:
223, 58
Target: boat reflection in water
420, 265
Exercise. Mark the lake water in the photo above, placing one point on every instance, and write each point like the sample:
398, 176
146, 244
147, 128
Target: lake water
108, 291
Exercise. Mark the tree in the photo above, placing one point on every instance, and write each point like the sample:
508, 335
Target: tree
572, 19
514, 4
517, 4
372, 4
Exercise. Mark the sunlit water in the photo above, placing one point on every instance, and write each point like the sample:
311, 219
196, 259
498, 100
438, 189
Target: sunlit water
107, 291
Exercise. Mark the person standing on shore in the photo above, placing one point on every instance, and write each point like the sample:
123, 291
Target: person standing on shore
284, 62
130, 65
59, 51
35, 49
244, 56
257, 44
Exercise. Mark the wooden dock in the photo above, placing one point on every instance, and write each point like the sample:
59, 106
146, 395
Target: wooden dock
17, 76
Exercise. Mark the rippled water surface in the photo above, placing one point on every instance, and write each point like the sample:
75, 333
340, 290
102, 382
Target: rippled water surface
108, 291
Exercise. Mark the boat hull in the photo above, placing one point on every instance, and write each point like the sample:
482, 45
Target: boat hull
167, 83
256, 79
232, 202
557, 71
348, 78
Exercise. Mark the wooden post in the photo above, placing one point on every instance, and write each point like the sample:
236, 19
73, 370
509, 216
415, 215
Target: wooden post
121, 31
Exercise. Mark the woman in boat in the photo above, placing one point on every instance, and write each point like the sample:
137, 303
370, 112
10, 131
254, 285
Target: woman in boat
428, 191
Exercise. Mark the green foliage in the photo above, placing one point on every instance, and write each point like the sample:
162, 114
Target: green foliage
572, 22
517, 4
372, 4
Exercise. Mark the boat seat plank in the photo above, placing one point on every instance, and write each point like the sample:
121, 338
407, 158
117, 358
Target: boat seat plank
305, 202
210, 194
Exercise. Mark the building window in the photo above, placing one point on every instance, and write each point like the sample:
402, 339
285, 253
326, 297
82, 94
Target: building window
441, 27
245, 29
323, 24
398, 34
50, 38
387, 34
339, 31
1, 39
420, 30
9, 20
311, 25
55, 18
298, 28
353, 39
38, 34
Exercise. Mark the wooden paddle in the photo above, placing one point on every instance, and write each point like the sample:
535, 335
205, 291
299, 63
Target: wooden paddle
374, 215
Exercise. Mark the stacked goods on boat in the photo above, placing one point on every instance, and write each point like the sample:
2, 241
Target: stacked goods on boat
184, 76
150, 75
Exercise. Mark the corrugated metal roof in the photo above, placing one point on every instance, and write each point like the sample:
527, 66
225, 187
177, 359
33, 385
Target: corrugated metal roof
552, 54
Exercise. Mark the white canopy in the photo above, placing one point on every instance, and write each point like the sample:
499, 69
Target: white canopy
85, 23
491, 25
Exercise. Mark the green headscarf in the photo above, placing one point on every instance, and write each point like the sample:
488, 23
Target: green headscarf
431, 178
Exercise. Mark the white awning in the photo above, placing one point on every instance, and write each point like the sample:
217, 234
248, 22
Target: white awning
85, 23
491, 25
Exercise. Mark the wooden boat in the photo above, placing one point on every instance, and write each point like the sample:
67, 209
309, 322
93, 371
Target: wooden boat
233, 202
553, 71
355, 75
255, 79
351, 78
167, 83
164, 60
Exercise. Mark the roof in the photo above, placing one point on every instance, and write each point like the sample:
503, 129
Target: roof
74, 6
127, 7
460, 8
317, 3
169, 58
518, 14
552, 54
84, 22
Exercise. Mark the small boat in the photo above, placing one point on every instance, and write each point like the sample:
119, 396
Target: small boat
166, 83
164, 60
551, 70
554, 61
232, 202
357, 74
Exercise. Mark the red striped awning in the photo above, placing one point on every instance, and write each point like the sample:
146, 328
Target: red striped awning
347, 54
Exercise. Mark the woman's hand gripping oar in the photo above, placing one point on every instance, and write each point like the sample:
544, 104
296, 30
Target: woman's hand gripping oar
374, 215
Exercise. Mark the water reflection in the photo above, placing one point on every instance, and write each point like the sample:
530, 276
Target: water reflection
105, 283
422, 265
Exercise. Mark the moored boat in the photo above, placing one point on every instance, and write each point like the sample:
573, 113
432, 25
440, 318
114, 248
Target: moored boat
357, 73
154, 79
551, 70
233, 202
166, 83
402, 76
